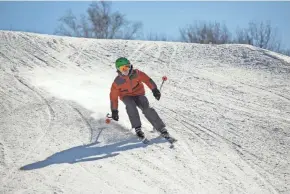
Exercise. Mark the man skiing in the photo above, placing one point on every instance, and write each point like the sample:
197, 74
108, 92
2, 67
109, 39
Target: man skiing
128, 86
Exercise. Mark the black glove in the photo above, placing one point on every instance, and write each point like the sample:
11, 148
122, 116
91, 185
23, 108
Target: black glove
156, 93
115, 115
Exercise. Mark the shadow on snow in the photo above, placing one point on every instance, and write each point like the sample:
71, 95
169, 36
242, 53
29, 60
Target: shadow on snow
90, 152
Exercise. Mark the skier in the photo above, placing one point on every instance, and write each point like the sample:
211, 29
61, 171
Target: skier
128, 86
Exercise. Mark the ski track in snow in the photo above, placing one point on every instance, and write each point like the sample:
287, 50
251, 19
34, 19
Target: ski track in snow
50, 116
226, 104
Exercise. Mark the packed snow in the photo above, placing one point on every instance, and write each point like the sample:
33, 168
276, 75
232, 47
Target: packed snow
228, 106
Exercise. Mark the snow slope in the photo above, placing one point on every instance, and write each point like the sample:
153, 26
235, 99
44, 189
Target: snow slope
229, 106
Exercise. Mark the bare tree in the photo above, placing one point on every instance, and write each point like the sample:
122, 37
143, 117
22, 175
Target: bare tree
156, 37
261, 35
205, 33
70, 26
84, 25
242, 37
131, 30
100, 22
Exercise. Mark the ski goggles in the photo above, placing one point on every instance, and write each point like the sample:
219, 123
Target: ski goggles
124, 68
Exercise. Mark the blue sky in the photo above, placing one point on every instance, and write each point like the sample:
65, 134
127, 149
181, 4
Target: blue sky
157, 17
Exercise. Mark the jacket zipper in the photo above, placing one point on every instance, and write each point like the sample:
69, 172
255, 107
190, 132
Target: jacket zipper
131, 85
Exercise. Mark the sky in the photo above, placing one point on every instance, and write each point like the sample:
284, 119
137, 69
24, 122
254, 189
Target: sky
157, 16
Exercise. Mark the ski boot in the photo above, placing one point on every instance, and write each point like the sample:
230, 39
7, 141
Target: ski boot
166, 135
140, 134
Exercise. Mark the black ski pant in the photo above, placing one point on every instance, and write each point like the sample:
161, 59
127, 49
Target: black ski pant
132, 102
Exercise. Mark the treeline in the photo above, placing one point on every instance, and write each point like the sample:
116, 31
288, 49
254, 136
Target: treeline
259, 34
102, 23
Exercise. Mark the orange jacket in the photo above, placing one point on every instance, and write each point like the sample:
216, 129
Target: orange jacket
129, 86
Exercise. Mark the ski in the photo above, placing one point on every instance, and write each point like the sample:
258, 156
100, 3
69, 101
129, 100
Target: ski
170, 140
145, 140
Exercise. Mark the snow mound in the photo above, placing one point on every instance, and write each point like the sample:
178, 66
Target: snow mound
228, 105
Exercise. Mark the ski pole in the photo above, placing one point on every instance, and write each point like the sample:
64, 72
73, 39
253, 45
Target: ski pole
164, 78
108, 119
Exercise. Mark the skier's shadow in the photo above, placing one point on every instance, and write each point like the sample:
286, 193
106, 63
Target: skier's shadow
89, 152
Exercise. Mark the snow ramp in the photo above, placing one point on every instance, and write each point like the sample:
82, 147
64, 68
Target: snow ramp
228, 106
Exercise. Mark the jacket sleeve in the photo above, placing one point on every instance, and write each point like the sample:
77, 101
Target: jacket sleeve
114, 94
147, 80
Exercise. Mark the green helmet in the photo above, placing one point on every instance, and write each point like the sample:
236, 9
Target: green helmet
121, 61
